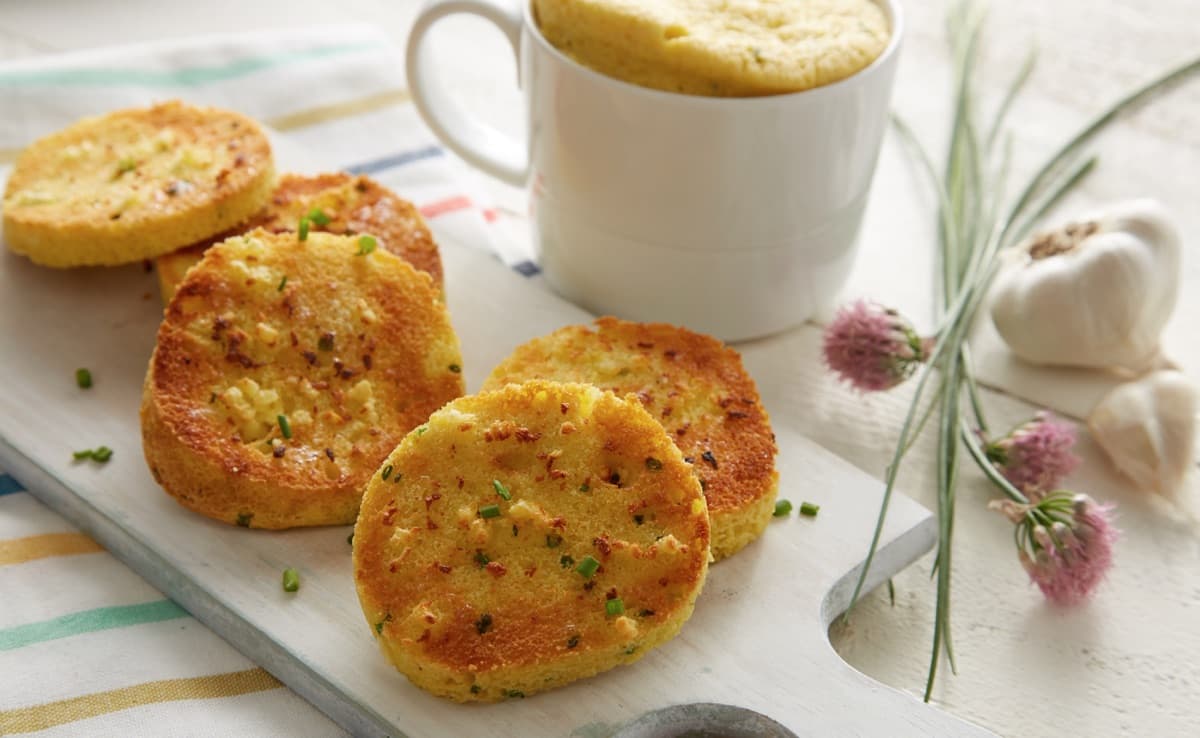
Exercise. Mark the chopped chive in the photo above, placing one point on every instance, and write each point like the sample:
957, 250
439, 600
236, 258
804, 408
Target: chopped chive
482, 559
566, 561
483, 624
282, 284
476, 689
809, 509
553, 540
83, 378
782, 508
489, 511
318, 216
632, 649
513, 694
588, 566
653, 464
84, 454
291, 580
422, 430
243, 519
501, 490
573, 641
284, 426
102, 454
456, 368
379, 625
584, 487
350, 539
614, 607
302, 229
325, 342
366, 244
387, 472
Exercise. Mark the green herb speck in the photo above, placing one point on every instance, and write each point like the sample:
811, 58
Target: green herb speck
318, 216
456, 368
285, 428
282, 284
291, 580
83, 378
482, 559
387, 472
366, 244
489, 511
588, 567
501, 490
782, 508
483, 624
243, 519
553, 540
614, 607
653, 464
810, 509
302, 229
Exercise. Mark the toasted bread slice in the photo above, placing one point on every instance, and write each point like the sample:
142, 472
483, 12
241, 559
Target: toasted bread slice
526, 538
285, 372
696, 387
134, 184
344, 204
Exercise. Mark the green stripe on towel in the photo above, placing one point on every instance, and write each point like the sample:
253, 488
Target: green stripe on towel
88, 621
84, 77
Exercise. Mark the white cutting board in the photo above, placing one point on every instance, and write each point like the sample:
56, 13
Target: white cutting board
758, 638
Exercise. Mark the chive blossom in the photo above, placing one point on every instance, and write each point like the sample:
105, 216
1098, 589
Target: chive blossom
588, 566
489, 511
291, 580
366, 244
501, 490
809, 509
285, 427
614, 607
782, 508
83, 378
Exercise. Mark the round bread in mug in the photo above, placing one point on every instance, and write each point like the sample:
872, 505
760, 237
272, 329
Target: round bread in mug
134, 184
691, 383
285, 372
526, 538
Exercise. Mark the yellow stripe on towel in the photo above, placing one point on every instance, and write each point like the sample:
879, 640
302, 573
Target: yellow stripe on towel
20, 550
337, 111
41, 717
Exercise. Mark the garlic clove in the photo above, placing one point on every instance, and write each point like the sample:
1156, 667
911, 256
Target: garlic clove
1094, 293
1147, 428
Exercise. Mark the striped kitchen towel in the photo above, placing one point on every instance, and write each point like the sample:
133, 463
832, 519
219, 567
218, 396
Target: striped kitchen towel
86, 646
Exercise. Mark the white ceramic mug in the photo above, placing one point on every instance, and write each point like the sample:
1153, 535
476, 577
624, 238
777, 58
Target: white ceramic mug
736, 217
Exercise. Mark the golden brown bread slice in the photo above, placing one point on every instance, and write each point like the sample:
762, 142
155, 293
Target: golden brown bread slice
285, 371
526, 538
347, 204
134, 184
695, 386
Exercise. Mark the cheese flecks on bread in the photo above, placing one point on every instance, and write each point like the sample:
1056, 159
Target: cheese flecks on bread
134, 184
286, 370
528, 537
695, 386
332, 203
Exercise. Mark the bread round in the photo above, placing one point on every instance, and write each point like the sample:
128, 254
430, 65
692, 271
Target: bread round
696, 387
352, 350
353, 204
134, 184
715, 47
526, 538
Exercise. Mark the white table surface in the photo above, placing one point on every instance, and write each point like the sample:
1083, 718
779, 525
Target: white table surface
1127, 663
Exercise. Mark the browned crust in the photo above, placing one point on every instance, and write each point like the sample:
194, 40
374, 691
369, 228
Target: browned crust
355, 204
695, 386
86, 231
555, 448
211, 339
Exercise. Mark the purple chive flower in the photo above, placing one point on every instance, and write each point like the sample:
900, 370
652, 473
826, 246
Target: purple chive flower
1036, 456
872, 347
1065, 542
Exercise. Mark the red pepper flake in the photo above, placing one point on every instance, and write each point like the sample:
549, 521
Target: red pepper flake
531, 571
366, 361
725, 402
670, 353
432, 499
310, 357
567, 428
663, 582
666, 413
563, 407
559, 523
443, 568
424, 637
736, 415
611, 594
389, 514
461, 482
645, 345
329, 454
524, 435
557, 474
295, 341
279, 450
496, 569
602, 545
499, 430
645, 398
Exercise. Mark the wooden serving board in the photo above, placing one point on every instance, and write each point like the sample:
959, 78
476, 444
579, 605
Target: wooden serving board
758, 638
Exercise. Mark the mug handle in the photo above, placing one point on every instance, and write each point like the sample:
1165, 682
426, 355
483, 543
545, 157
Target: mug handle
480, 144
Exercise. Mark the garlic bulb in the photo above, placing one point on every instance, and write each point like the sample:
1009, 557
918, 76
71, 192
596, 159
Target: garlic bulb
1148, 429
1095, 293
